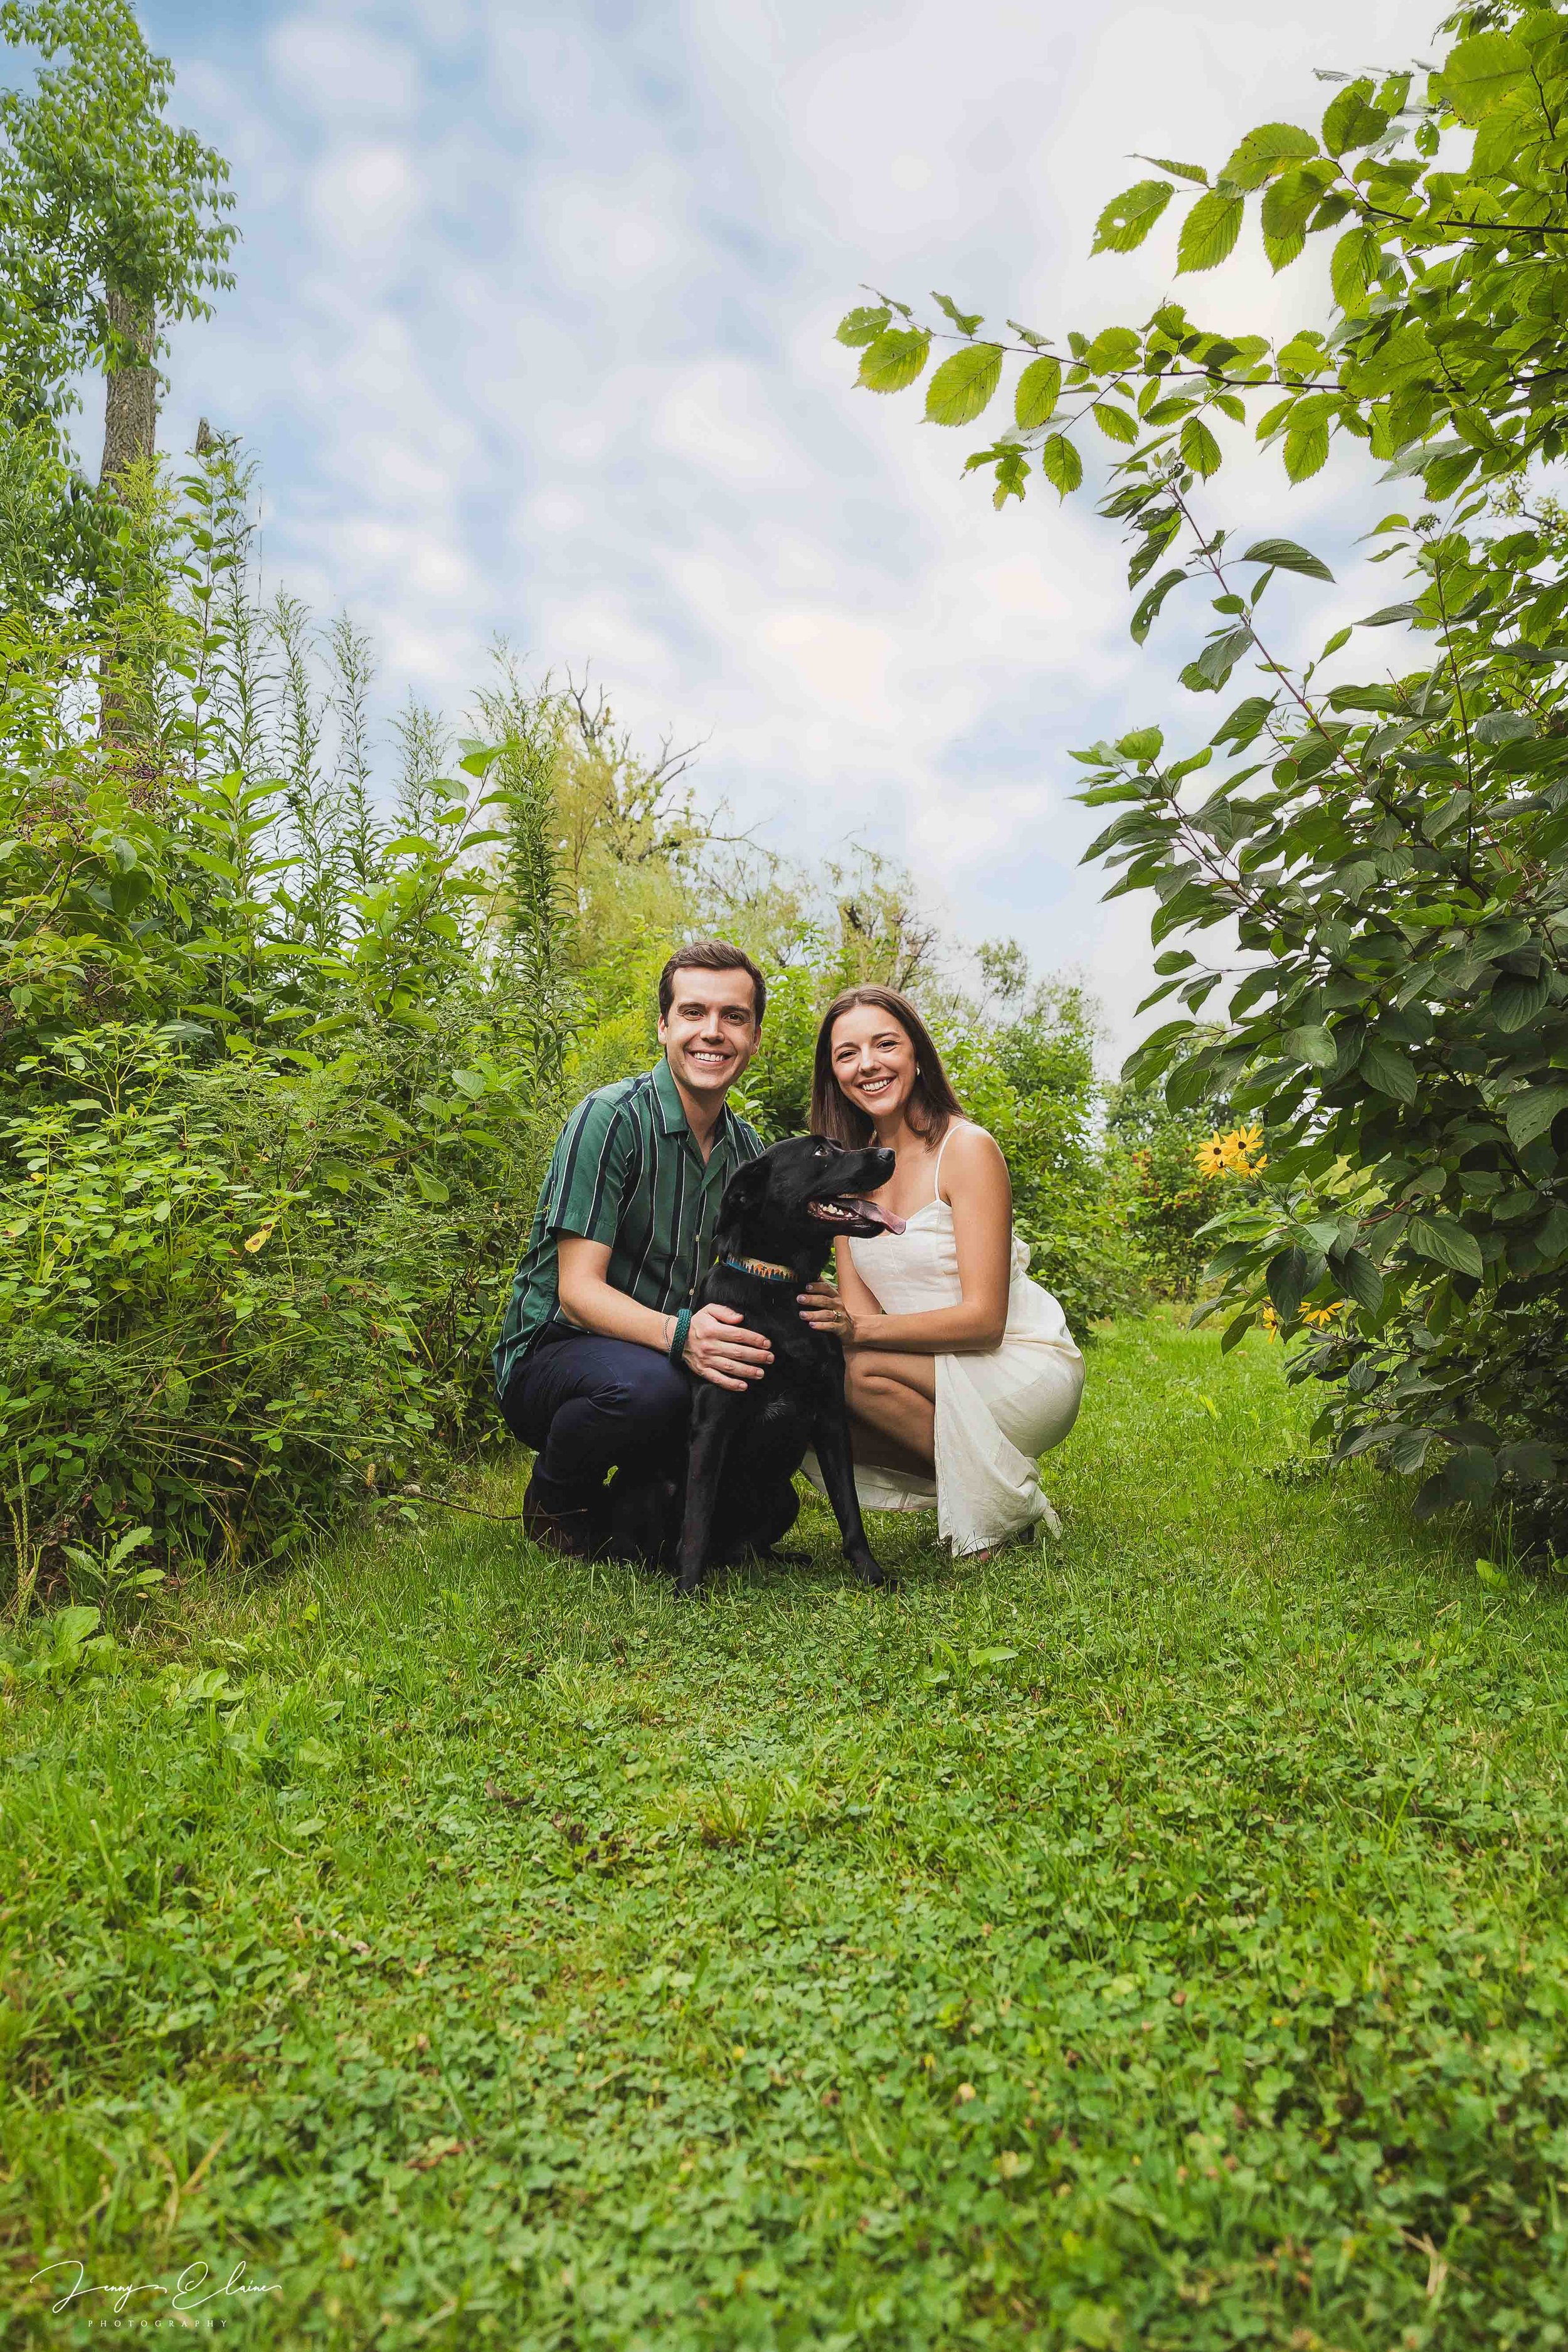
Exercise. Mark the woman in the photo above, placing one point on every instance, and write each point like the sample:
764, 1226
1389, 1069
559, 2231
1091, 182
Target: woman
960, 1370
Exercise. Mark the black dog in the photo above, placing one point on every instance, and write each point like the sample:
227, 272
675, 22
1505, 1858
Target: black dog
777, 1221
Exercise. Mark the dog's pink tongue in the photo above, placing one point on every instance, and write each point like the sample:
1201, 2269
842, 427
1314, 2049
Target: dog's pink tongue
880, 1216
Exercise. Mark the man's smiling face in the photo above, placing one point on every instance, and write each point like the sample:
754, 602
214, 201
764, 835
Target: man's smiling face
710, 1032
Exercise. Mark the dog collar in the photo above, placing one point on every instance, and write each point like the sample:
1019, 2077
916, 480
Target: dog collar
763, 1268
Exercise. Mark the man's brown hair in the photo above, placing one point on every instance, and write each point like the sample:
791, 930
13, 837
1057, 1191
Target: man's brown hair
708, 955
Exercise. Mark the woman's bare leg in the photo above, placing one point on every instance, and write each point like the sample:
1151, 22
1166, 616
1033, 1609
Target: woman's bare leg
892, 1410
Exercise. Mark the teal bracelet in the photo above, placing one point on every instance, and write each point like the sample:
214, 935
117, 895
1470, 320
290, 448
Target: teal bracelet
677, 1344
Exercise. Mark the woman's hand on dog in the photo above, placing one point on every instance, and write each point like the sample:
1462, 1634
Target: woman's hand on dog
719, 1349
822, 1308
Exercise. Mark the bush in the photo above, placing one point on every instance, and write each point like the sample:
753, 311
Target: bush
261, 1176
1180, 1172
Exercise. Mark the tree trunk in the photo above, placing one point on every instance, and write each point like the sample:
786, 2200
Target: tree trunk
131, 394
130, 432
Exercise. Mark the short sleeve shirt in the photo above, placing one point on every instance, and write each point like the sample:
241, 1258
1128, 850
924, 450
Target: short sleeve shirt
625, 1171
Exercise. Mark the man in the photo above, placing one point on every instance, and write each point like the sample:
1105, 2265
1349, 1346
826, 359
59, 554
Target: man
591, 1366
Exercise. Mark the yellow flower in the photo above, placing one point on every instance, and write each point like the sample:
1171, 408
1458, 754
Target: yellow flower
1319, 1317
1238, 1151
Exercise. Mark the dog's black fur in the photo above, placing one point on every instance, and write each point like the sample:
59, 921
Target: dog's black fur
738, 1494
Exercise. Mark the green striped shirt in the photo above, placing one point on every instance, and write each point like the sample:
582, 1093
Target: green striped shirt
625, 1171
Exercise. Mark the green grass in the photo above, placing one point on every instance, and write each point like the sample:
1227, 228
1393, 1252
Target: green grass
1154, 1941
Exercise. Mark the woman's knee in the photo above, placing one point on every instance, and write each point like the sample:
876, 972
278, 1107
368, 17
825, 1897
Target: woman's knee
869, 1390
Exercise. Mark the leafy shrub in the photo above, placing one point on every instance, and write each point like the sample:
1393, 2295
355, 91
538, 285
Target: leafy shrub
263, 1156
1170, 1199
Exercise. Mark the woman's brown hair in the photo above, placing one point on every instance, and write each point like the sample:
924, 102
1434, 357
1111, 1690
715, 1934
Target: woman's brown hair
932, 1105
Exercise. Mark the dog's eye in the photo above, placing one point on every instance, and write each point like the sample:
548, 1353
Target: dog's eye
822, 1151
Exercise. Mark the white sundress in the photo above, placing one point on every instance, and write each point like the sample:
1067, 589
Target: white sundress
997, 1409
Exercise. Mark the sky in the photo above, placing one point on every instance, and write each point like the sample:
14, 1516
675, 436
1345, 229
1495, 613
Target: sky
534, 336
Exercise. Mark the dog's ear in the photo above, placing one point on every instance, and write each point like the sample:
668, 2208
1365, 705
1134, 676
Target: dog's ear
743, 1196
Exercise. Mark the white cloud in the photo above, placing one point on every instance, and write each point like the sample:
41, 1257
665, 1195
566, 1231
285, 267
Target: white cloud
341, 73
365, 199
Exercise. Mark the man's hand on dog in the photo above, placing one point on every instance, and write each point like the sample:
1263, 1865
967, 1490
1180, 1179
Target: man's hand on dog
719, 1349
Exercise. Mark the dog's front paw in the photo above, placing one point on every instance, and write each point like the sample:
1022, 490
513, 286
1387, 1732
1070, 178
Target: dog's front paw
688, 1584
870, 1574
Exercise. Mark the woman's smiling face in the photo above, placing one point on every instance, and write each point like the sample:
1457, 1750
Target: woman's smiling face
873, 1059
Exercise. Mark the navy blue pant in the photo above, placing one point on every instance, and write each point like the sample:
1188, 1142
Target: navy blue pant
590, 1405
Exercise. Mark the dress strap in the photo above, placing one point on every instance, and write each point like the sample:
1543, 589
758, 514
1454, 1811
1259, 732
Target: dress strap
936, 1171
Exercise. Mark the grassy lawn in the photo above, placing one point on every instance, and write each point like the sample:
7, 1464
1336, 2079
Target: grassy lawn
1156, 1941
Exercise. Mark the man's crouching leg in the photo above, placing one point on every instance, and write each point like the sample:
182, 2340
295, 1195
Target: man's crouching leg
590, 1405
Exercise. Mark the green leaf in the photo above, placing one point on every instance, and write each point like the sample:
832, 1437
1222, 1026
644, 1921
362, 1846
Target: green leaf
1351, 272
1282, 247
1312, 1045
1262, 151
1235, 1333
1011, 467
1532, 1461
1060, 464
962, 386
1469, 1475
1288, 203
1516, 1000
1038, 390
1144, 745
966, 322
1284, 555
1145, 617
1529, 1115
1388, 1070
1445, 1240
1113, 422
1220, 655
1200, 450
1307, 448
1363, 1280
863, 326
1243, 725
1289, 1278
1210, 231
1113, 350
1182, 171
1551, 1235
894, 361
1128, 217
1352, 120
1484, 72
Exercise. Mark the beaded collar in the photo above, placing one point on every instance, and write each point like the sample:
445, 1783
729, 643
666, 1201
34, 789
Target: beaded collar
764, 1270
